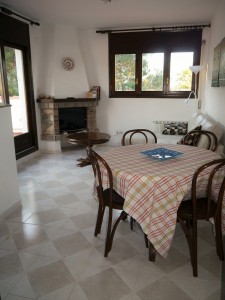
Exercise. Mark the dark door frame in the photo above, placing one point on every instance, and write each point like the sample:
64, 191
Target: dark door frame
15, 34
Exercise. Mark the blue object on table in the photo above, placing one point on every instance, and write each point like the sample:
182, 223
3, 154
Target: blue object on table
161, 153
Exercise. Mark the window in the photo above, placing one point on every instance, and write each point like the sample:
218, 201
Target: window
152, 72
16, 87
125, 72
153, 64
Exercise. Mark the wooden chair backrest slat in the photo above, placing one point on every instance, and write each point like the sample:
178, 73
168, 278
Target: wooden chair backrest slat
128, 136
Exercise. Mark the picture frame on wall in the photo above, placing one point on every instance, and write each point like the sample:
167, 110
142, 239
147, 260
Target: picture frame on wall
216, 66
96, 89
222, 64
218, 72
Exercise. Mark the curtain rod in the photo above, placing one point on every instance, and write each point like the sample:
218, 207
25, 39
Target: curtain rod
161, 28
9, 12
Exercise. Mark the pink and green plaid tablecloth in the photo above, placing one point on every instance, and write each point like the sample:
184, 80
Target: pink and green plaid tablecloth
154, 189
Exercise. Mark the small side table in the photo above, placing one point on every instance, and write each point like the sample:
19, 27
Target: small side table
87, 139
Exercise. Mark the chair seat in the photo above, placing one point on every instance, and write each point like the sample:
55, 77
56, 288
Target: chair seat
185, 210
116, 198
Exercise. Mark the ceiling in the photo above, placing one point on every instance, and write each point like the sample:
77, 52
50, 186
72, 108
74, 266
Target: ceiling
95, 14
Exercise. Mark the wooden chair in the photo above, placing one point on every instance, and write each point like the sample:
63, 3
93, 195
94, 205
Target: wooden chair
107, 198
128, 136
201, 138
194, 209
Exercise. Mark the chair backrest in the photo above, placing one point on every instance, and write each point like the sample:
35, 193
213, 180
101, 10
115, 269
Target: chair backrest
216, 180
98, 164
145, 136
201, 138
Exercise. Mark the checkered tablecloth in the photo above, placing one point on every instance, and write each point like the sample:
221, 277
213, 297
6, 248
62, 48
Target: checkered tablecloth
154, 189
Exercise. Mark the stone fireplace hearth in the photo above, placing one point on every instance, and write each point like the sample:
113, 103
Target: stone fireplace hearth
50, 115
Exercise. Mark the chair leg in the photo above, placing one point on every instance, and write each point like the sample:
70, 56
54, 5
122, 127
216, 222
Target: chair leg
152, 252
151, 249
192, 241
194, 250
146, 240
110, 234
99, 220
131, 223
132, 220
219, 238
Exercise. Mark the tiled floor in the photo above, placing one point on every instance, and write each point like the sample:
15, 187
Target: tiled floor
48, 251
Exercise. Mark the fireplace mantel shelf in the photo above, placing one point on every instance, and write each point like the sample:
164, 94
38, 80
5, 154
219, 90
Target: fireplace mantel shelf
68, 100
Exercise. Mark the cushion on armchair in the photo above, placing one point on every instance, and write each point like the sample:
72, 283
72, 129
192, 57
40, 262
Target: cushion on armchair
208, 124
191, 137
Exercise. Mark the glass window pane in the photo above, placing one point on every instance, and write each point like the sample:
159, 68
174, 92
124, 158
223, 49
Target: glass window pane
180, 74
1, 84
16, 88
1, 90
152, 71
125, 72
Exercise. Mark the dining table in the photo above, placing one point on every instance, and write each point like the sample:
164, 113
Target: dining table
153, 188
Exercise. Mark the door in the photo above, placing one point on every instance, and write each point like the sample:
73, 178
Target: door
16, 87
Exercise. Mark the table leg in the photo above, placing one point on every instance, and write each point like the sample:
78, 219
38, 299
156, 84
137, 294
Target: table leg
84, 161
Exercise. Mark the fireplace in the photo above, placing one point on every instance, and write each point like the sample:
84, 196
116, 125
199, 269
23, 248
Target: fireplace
72, 119
51, 116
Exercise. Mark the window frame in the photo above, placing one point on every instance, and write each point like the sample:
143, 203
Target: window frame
15, 34
152, 42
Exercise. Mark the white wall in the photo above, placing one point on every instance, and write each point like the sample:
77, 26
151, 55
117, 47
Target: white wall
9, 191
215, 96
54, 42
49, 45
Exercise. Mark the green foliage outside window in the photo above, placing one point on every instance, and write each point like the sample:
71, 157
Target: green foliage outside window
10, 60
153, 82
125, 72
1, 93
183, 82
152, 78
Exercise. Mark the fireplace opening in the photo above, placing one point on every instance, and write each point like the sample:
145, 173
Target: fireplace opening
72, 119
